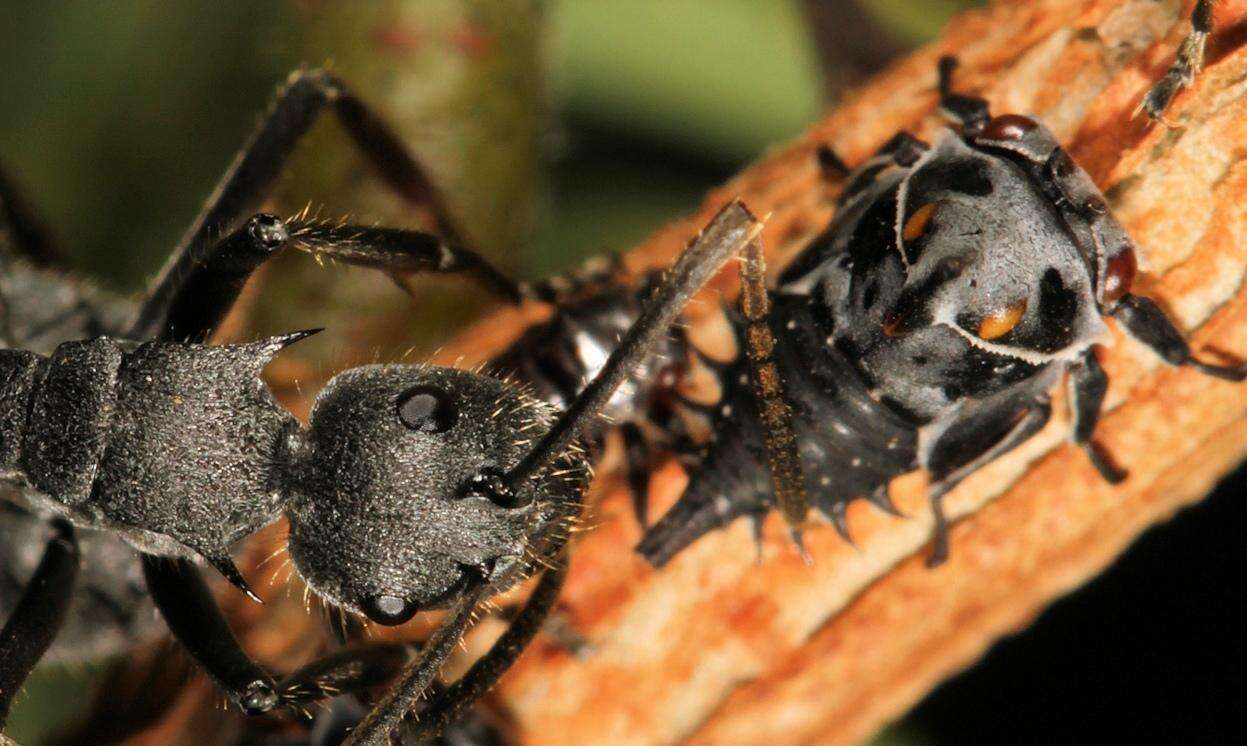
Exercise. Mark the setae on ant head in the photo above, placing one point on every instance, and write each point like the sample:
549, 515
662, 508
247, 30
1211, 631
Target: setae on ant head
399, 501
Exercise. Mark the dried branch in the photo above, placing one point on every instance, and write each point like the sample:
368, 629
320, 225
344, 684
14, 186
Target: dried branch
721, 648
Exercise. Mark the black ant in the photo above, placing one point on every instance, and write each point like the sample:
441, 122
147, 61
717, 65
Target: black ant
413, 487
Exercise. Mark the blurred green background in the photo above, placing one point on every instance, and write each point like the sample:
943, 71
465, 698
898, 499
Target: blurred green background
558, 129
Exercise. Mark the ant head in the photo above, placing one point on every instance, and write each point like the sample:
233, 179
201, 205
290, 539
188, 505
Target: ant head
399, 496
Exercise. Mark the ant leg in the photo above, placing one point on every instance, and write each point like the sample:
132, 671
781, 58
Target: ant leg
24, 231
190, 611
1005, 424
192, 615
970, 112
636, 456
38, 616
783, 454
346, 670
212, 284
449, 705
404, 251
730, 229
1087, 385
1144, 320
251, 175
379, 723
1186, 65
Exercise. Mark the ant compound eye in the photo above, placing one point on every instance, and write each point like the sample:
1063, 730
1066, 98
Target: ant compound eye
269, 230
1119, 274
1007, 127
427, 409
1001, 322
389, 610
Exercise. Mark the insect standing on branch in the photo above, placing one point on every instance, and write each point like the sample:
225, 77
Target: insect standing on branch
957, 285
894, 342
412, 487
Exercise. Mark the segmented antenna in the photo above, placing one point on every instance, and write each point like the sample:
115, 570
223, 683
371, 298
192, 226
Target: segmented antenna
782, 452
721, 239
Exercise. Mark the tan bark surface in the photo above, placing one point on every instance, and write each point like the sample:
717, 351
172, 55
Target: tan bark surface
722, 648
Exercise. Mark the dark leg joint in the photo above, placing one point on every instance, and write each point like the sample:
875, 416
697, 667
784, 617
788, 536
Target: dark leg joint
830, 164
970, 111
219, 278
191, 612
1186, 65
1146, 322
38, 616
1087, 386
1103, 463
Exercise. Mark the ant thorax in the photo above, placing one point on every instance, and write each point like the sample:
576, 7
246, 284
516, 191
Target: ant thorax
173, 446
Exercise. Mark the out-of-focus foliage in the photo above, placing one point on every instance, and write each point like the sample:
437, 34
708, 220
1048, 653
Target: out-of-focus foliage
723, 83
118, 118
915, 21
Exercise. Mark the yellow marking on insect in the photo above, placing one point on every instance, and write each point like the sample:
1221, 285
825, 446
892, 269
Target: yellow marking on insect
918, 222
761, 340
768, 380
1002, 322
